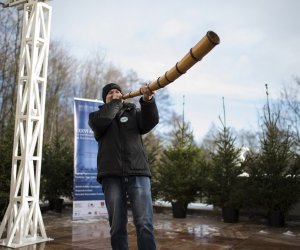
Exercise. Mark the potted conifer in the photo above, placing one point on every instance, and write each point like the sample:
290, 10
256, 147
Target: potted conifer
57, 174
180, 177
226, 185
180, 172
274, 171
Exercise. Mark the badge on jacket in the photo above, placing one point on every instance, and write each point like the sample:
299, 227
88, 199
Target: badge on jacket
123, 119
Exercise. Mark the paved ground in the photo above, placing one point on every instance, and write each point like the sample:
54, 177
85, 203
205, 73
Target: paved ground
197, 231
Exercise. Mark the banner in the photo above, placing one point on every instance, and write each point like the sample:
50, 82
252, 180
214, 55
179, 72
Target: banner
88, 198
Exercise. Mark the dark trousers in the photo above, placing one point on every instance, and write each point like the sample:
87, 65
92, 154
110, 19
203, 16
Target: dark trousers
138, 190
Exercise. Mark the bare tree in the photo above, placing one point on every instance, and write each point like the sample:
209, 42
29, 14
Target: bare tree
90, 76
208, 142
10, 21
248, 139
94, 72
59, 98
290, 105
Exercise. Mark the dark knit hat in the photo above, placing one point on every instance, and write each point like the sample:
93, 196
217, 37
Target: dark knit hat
108, 87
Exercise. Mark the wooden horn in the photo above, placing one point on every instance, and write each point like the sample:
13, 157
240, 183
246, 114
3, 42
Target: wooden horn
205, 45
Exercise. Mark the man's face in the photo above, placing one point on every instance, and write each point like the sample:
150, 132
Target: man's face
113, 94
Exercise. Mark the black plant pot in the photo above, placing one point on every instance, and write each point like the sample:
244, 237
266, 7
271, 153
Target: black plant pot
179, 209
230, 215
56, 204
276, 218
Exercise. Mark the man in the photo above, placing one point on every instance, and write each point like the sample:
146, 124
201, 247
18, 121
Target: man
123, 168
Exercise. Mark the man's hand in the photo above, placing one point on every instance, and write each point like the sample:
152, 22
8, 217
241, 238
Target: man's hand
147, 93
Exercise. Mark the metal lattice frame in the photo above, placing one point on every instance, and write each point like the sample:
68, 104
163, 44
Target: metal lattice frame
22, 223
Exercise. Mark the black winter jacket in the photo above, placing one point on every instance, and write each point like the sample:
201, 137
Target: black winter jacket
118, 127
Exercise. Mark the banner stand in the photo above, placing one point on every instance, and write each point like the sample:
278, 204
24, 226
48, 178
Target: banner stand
88, 198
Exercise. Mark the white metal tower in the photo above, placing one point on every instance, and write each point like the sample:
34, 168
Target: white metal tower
22, 223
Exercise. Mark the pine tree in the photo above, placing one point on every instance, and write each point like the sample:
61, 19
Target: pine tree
181, 170
225, 185
274, 173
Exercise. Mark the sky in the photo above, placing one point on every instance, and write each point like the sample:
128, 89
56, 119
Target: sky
260, 44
